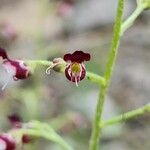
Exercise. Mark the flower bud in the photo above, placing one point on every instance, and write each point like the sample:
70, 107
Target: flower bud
17, 69
16, 122
59, 65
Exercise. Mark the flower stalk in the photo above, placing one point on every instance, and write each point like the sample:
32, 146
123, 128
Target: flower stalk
73, 67
126, 116
119, 29
96, 129
60, 67
38, 129
129, 22
95, 78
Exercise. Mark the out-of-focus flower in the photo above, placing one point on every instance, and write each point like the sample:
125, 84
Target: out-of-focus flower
26, 139
7, 31
65, 8
17, 69
7, 142
16, 122
75, 70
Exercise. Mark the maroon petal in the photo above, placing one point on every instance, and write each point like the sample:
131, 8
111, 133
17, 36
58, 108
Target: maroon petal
9, 141
83, 73
78, 53
68, 57
15, 120
3, 53
81, 56
87, 56
26, 139
77, 56
71, 77
68, 73
21, 70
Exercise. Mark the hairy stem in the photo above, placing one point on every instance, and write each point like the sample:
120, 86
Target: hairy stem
126, 116
96, 129
95, 78
41, 130
128, 23
90, 76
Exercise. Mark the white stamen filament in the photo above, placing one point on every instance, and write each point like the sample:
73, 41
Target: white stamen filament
48, 70
76, 80
69, 72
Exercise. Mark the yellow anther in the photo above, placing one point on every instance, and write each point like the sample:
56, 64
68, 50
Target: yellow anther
75, 68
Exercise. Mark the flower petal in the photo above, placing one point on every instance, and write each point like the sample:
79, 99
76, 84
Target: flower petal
77, 56
21, 70
26, 139
10, 142
15, 120
75, 78
87, 56
68, 57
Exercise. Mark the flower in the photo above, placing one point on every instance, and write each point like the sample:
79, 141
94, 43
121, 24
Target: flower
16, 122
26, 139
17, 69
7, 142
7, 32
65, 8
75, 70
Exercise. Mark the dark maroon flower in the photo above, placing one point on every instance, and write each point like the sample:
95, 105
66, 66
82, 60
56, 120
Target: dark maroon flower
16, 68
26, 139
75, 70
16, 122
7, 142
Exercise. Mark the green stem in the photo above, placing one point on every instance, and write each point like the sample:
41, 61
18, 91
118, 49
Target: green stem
90, 76
95, 78
56, 138
126, 116
42, 130
128, 23
96, 129
39, 63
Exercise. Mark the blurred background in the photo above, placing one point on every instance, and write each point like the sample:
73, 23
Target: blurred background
45, 29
